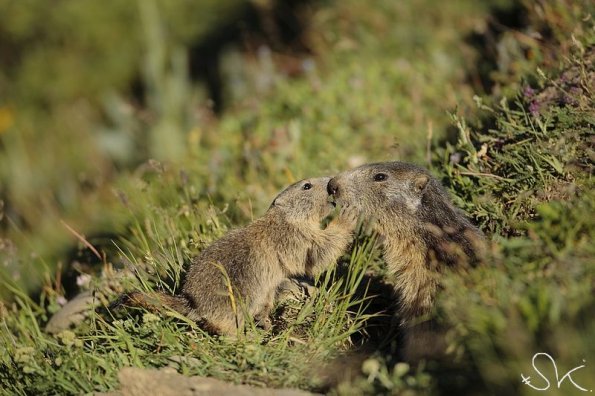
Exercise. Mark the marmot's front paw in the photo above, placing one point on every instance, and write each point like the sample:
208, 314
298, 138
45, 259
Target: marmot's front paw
264, 322
296, 289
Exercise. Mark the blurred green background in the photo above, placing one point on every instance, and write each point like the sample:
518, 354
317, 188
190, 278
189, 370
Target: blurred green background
122, 115
247, 96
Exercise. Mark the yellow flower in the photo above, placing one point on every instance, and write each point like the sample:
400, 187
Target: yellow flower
6, 119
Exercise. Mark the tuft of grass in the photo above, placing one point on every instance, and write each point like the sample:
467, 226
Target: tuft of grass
525, 174
530, 149
88, 357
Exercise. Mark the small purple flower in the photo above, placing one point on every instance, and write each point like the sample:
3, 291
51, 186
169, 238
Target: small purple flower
572, 97
534, 108
565, 78
570, 100
61, 300
528, 92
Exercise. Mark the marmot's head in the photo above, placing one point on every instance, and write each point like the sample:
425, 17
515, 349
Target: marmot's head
304, 201
377, 191
404, 199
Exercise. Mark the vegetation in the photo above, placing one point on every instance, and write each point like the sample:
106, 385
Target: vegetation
114, 172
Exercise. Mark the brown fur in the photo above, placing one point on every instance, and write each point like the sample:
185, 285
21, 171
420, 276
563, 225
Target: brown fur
423, 234
241, 271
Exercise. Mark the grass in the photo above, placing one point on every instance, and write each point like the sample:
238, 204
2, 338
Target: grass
518, 159
88, 359
528, 180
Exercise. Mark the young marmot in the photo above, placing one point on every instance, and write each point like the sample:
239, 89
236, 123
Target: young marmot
241, 271
422, 233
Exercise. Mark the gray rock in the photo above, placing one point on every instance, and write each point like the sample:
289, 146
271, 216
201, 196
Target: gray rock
167, 382
72, 313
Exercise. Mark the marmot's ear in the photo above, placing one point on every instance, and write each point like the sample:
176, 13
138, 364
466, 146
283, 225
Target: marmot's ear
278, 201
421, 182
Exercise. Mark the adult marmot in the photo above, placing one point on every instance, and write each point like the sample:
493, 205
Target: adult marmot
422, 233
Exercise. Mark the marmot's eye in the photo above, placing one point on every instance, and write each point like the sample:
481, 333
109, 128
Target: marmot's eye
380, 177
307, 186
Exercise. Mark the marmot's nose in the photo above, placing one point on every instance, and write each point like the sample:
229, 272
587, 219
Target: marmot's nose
332, 187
